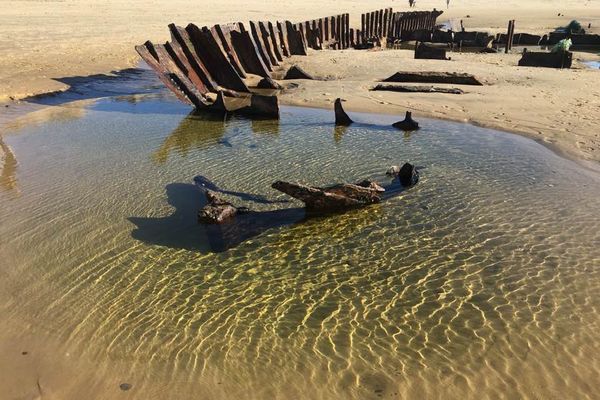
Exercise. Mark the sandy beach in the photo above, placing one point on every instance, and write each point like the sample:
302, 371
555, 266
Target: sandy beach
47, 46
88, 37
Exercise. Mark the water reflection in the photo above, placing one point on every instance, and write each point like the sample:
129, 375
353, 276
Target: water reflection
8, 167
196, 131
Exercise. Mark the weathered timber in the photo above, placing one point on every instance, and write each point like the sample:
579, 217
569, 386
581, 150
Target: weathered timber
274, 38
282, 32
525, 39
263, 48
334, 198
295, 40
216, 61
180, 37
455, 78
341, 118
169, 73
265, 35
425, 52
295, 72
225, 42
217, 210
408, 124
391, 87
548, 60
245, 48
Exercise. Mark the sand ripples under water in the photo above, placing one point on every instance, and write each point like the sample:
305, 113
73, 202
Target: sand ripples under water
480, 282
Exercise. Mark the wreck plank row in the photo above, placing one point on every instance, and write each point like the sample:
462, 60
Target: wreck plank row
264, 35
262, 50
178, 78
148, 54
295, 40
225, 41
181, 37
248, 54
282, 32
209, 51
182, 62
274, 37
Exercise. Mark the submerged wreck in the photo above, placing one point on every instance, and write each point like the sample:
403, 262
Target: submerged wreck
317, 200
228, 67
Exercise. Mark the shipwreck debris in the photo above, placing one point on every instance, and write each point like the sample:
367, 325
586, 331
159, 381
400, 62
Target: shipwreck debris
295, 72
561, 59
392, 87
455, 78
217, 210
341, 118
268, 83
333, 198
408, 124
426, 52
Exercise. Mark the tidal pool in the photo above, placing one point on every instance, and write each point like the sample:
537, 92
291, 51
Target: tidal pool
483, 281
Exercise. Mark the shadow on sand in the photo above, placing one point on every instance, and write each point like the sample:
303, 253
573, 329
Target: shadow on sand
128, 81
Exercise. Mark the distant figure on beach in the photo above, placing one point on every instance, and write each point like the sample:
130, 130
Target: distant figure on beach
411, 3
447, 3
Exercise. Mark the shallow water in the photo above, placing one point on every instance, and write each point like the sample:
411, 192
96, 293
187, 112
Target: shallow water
480, 282
593, 64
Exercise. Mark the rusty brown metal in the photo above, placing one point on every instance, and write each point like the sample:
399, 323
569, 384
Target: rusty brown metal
295, 39
157, 57
274, 39
260, 46
227, 46
282, 32
245, 48
181, 37
209, 52
264, 43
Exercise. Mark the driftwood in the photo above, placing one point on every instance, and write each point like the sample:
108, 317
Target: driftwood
217, 210
408, 124
548, 60
434, 77
334, 198
391, 87
341, 118
295, 72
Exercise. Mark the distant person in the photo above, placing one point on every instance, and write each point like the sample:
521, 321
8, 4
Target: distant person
410, 3
447, 3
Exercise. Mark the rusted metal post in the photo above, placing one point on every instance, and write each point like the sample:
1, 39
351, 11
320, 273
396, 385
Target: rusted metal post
362, 22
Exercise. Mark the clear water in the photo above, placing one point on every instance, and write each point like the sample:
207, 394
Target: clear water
482, 281
593, 64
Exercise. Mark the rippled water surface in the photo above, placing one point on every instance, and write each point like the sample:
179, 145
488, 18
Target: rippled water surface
480, 282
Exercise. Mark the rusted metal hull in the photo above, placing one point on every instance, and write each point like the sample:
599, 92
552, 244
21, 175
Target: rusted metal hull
206, 67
